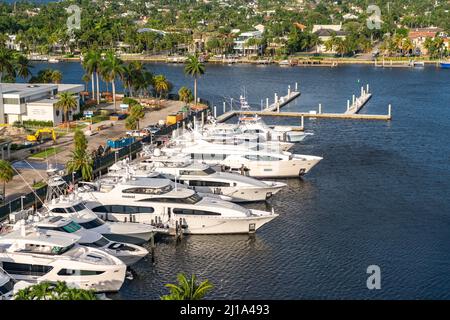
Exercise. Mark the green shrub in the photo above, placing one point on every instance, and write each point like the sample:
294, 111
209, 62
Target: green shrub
33, 123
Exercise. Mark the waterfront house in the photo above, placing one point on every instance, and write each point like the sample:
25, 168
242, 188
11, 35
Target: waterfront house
23, 101
242, 44
418, 36
327, 32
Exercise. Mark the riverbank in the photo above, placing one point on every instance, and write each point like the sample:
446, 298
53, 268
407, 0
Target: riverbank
291, 61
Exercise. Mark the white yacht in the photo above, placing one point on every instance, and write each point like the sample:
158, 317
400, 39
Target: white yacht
203, 178
254, 125
128, 253
74, 208
159, 201
247, 160
36, 256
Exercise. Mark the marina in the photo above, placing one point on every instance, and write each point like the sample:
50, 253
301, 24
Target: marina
303, 231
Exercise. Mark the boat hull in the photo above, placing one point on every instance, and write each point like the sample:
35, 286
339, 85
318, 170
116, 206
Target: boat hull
133, 238
445, 65
244, 194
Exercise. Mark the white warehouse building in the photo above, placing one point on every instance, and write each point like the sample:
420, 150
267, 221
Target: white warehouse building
23, 101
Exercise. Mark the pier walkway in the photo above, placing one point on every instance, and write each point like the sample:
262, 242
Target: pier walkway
359, 102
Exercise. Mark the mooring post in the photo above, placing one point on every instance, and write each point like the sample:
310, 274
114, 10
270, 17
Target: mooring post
224, 107
302, 122
353, 101
267, 102
348, 105
203, 119
296, 86
289, 91
275, 98
320, 108
278, 107
215, 112
390, 110
362, 91
262, 104
152, 246
367, 89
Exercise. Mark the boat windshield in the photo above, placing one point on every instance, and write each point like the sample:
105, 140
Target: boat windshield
92, 223
100, 243
7, 287
71, 227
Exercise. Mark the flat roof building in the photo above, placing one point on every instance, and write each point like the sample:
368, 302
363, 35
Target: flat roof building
23, 101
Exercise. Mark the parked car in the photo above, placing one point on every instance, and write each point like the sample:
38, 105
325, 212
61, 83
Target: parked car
138, 133
152, 129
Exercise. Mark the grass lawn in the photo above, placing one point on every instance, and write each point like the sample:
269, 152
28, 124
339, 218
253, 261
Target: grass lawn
47, 153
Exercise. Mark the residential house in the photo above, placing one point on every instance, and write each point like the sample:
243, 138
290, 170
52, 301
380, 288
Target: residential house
327, 32
241, 45
418, 36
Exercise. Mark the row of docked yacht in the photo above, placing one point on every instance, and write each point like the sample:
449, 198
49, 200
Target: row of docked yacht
194, 183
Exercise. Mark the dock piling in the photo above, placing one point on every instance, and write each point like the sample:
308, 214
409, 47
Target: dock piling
320, 108
367, 89
267, 102
296, 86
289, 91
215, 112
302, 122
390, 110
224, 107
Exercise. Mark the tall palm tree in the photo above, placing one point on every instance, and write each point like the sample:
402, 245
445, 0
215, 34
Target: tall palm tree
187, 289
23, 66
112, 67
86, 78
6, 63
195, 69
91, 63
66, 103
161, 84
6, 174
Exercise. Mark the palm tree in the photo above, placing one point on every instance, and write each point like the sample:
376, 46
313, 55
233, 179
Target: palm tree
56, 76
185, 94
194, 68
50, 291
6, 174
91, 63
86, 78
82, 161
187, 289
112, 67
6, 63
23, 66
66, 103
161, 84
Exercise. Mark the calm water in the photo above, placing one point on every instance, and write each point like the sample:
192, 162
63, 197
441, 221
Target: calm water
380, 196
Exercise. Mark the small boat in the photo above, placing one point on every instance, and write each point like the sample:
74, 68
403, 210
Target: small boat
417, 64
284, 63
53, 60
445, 64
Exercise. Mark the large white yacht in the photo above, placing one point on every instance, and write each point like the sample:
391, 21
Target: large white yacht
254, 125
203, 178
74, 208
36, 256
153, 201
128, 253
200, 177
247, 160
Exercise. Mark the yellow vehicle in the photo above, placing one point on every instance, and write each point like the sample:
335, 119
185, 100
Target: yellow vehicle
39, 134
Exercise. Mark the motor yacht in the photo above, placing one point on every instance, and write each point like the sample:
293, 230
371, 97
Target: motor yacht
247, 160
74, 208
159, 201
205, 179
128, 253
32, 255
